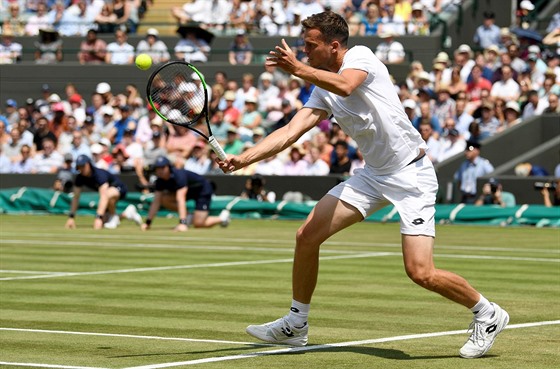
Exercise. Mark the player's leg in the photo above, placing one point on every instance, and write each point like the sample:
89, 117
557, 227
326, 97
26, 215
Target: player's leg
113, 196
329, 216
201, 219
417, 210
419, 266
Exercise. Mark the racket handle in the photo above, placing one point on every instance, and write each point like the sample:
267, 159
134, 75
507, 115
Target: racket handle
217, 148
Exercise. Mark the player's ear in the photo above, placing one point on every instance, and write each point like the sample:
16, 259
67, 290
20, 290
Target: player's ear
335, 46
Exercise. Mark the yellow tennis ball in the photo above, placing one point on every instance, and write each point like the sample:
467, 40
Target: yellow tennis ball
143, 61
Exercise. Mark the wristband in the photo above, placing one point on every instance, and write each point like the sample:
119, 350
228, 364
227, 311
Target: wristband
99, 216
71, 215
148, 222
183, 221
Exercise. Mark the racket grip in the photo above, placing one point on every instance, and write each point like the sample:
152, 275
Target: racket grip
217, 148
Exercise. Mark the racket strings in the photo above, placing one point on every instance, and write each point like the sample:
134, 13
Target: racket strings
180, 97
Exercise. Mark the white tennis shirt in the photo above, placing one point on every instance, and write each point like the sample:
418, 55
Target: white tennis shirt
372, 115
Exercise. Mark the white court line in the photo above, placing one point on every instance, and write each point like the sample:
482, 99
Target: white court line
195, 266
27, 272
287, 350
276, 242
327, 346
160, 338
179, 247
257, 262
35, 365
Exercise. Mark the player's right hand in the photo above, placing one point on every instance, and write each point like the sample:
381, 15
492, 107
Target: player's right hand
181, 228
144, 227
229, 165
70, 224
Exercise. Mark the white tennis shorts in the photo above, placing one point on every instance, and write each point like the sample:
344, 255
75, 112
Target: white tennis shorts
412, 191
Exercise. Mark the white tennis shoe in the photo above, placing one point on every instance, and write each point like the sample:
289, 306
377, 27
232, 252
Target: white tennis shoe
131, 213
113, 222
225, 217
280, 331
484, 333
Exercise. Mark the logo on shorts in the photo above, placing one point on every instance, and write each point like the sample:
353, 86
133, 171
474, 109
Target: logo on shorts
418, 221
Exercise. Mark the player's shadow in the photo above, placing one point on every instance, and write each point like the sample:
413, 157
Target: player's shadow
244, 348
391, 354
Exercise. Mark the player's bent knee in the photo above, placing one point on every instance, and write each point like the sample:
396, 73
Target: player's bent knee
305, 237
422, 277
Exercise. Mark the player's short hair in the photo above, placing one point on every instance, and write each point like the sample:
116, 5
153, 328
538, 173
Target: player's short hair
331, 25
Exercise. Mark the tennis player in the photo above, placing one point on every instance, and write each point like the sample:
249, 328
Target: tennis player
110, 188
354, 86
174, 187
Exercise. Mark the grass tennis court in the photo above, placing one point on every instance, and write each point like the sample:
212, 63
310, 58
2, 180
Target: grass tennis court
124, 298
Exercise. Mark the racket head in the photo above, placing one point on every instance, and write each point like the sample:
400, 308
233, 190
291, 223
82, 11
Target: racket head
176, 91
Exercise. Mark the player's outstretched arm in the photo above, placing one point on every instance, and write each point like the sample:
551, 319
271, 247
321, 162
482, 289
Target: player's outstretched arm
277, 141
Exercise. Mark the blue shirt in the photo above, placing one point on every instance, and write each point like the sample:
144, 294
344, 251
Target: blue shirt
485, 37
469, 171
180, 178
98, 178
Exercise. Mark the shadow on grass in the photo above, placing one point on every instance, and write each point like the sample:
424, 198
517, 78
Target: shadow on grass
390, 354
233, 350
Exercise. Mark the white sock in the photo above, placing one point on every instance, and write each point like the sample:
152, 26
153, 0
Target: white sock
298, 314
483, 310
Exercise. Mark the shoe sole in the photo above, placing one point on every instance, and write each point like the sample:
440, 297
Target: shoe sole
263, 337
500, 328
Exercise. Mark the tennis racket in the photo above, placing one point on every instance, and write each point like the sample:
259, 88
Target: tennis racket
178, 94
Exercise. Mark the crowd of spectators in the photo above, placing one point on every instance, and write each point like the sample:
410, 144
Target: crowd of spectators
464, 97
283, 17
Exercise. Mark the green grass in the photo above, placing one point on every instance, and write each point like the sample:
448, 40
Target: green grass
125, 288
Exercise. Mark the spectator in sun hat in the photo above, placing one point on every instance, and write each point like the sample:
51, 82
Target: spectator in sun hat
522, 14
97, 153
512, 114
10, 51
390, 51
463, 56
12, 114
418, 24
488, 33
154, 47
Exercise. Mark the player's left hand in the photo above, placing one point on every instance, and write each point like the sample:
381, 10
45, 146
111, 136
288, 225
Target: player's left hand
283, 57
98, 223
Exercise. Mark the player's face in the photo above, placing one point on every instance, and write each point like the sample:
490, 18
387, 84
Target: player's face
85, 170
319, 53
163, 172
